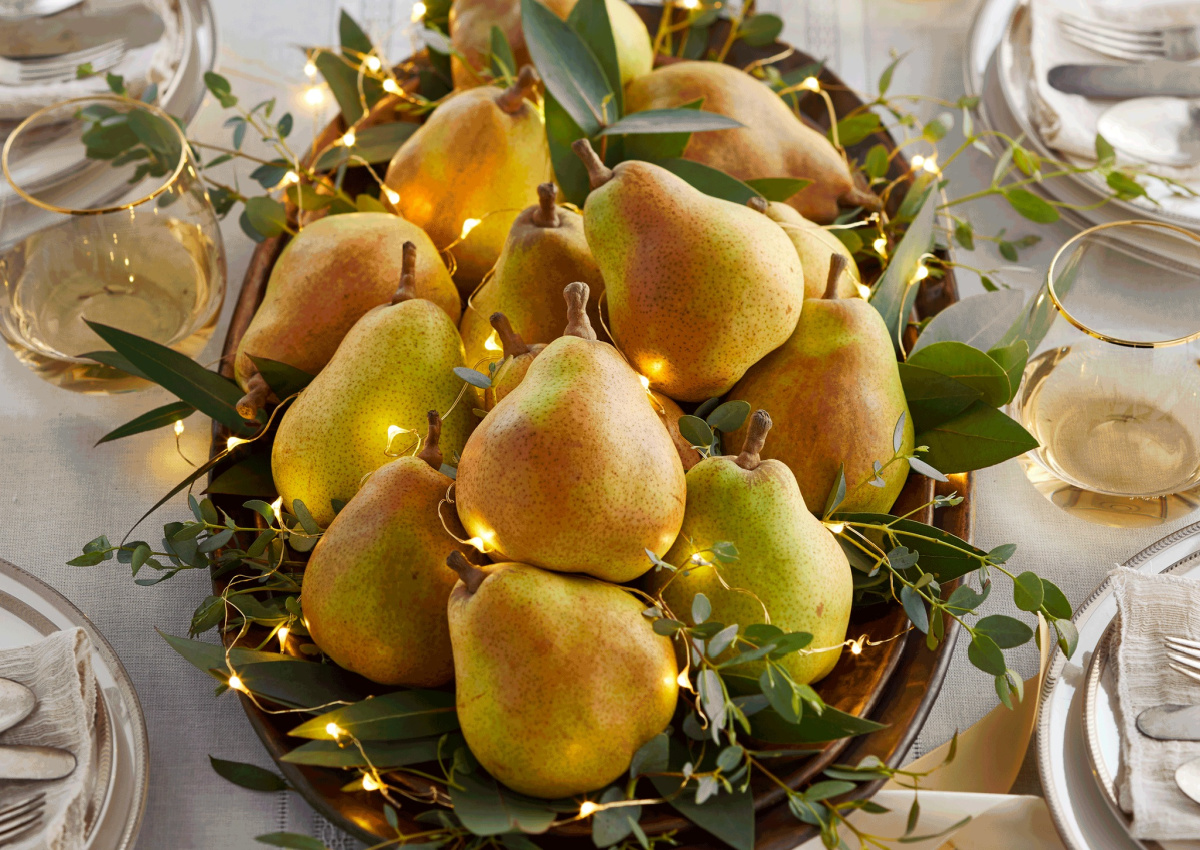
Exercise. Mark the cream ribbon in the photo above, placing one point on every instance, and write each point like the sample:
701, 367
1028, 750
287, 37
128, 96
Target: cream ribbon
976, 783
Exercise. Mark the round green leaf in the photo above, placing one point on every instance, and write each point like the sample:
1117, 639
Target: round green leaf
986, 655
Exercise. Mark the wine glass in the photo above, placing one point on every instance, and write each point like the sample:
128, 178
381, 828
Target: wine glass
1112, 392
105, 219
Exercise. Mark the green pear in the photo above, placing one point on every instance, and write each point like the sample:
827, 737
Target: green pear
517, 359
544, 251
470, 168
328, 276
698, 288
788, 562
395, 364
376, 585
573, 470
814, 245
559, 679
835, 389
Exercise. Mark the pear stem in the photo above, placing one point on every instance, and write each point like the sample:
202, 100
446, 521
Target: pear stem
578, 323
470, 574
510, 99
509, 338
757, 204
257, 396
598, 172
756, 437
431, 453
546, 215
407, 290
837, 265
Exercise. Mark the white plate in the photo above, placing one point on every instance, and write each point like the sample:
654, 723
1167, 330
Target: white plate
1080, 809
30, 610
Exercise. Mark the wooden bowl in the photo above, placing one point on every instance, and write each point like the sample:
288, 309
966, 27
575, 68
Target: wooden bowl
894, 684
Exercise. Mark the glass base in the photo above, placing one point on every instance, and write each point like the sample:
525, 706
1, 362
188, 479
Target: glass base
1107, 509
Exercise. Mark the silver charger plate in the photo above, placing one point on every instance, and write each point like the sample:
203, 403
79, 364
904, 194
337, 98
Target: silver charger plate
29, 611
1080, 808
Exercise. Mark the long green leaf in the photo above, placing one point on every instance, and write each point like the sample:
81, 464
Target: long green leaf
568, 67
381, 754
830, 725
210, 657
896, 291
306, 684
159, 417
966, 365
940, 552
210, 393
486, 807
249, 776
569, 171
729, 817
283, 378
589, 18
778, 188
979, 321
709, 180
115, 361
979, 437
391, 717
342, 79
654, 147
374, 144
250, 477
682, 120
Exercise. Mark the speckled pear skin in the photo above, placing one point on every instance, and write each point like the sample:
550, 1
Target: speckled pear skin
376, 585
573, 470
394, 365
773, 143
815, 245
538, 260
835, 395
559, 678
472, 158
698, 288
328, 276
510, 373
786, 558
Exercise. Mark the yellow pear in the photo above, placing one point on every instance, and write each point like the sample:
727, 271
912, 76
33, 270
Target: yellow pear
698, 288
545, 250
573, 470
470, 169
670, 412
787, 561
773, 142
394, 365
835, 389
377, 584
559, 679
814, 245
471, 23
328, 276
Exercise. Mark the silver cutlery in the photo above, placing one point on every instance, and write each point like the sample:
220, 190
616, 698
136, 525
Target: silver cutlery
18, 819
23, 9
35, 763
79, 30
1120, 82
1187, 777
1184, 656
53, 69
1133, 44
16, 703
1170, 722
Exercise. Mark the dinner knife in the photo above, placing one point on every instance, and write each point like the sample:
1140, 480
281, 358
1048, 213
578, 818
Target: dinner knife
1119, 82
1170, 722
73, 30
43, 763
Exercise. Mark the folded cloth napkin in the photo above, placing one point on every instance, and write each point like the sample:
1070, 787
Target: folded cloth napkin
58, 669
1067, 122
1149, 609
151, 63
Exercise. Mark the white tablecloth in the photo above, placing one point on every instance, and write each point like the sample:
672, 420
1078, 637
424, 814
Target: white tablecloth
57, 492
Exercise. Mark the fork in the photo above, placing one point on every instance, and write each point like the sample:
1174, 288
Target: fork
53, 69
1184, 656
1177, 43
20, 818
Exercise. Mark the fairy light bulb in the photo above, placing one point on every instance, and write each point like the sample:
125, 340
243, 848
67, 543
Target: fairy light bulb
282, 634
392, 195
349, 139
291, 177
373, 64
836, 527
587, 808
314, 96
918, 162
682, 679
333, 730
856, 647
233, 442
391, 86
369, 783
277, 509
418, 11
645, 382
931, 165
880, 246
864, 291
493, 342
811, 83
689, 4
178, 427
310, 69
922, 272
468, 225
235, 682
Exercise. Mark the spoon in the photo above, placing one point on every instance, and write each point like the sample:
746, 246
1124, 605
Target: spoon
1159, 130
1187, 777
16, 703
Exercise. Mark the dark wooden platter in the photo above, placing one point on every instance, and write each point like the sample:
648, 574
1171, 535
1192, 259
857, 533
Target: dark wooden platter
894, 683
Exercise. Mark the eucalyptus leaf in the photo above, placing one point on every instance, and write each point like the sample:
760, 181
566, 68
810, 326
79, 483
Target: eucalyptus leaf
117, 361
568, 67
979, 321
266, 215
914, 607
760, 30
981, 436
159, 417
729, 816
487, 808
986, 655
1006, 632
391, 717
837, 494
249, 776
1028, 591
299, 684
729, 416
613, 824
248, 477
342, 79
590, 19
653, 147
696, 431
830, 725
651, 757
473, 377
942, 554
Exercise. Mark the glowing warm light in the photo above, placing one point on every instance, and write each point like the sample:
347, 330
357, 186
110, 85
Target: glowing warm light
392, 195
369, 783
856, 648
483, 542
880, 245
587, 808
282, 634
395, 431
349, 139
689, 4
922, 272
315, 96
864, 291
683, 680
493, 342
418, 11
810, 83
645, 382
477, 542
236, 683
391, 86
836, 527
310, 70
333, 730
276, 508
373, 63
918, 161
468, 225
233, 442
178, 427
931, 165
291, 177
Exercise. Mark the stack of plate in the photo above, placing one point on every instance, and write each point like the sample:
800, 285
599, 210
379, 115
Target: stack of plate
999, 71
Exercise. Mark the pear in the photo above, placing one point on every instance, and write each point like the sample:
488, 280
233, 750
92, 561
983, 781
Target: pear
544, 251
376, 585
559, 679
468, 171
773, 142
814, 245
471, 23
573, 470
835, 389
395, 364
787, 562
670, 412
698, 288
516, 361
328, 276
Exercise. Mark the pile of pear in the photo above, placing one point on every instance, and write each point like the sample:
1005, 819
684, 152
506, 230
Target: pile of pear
499, 539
